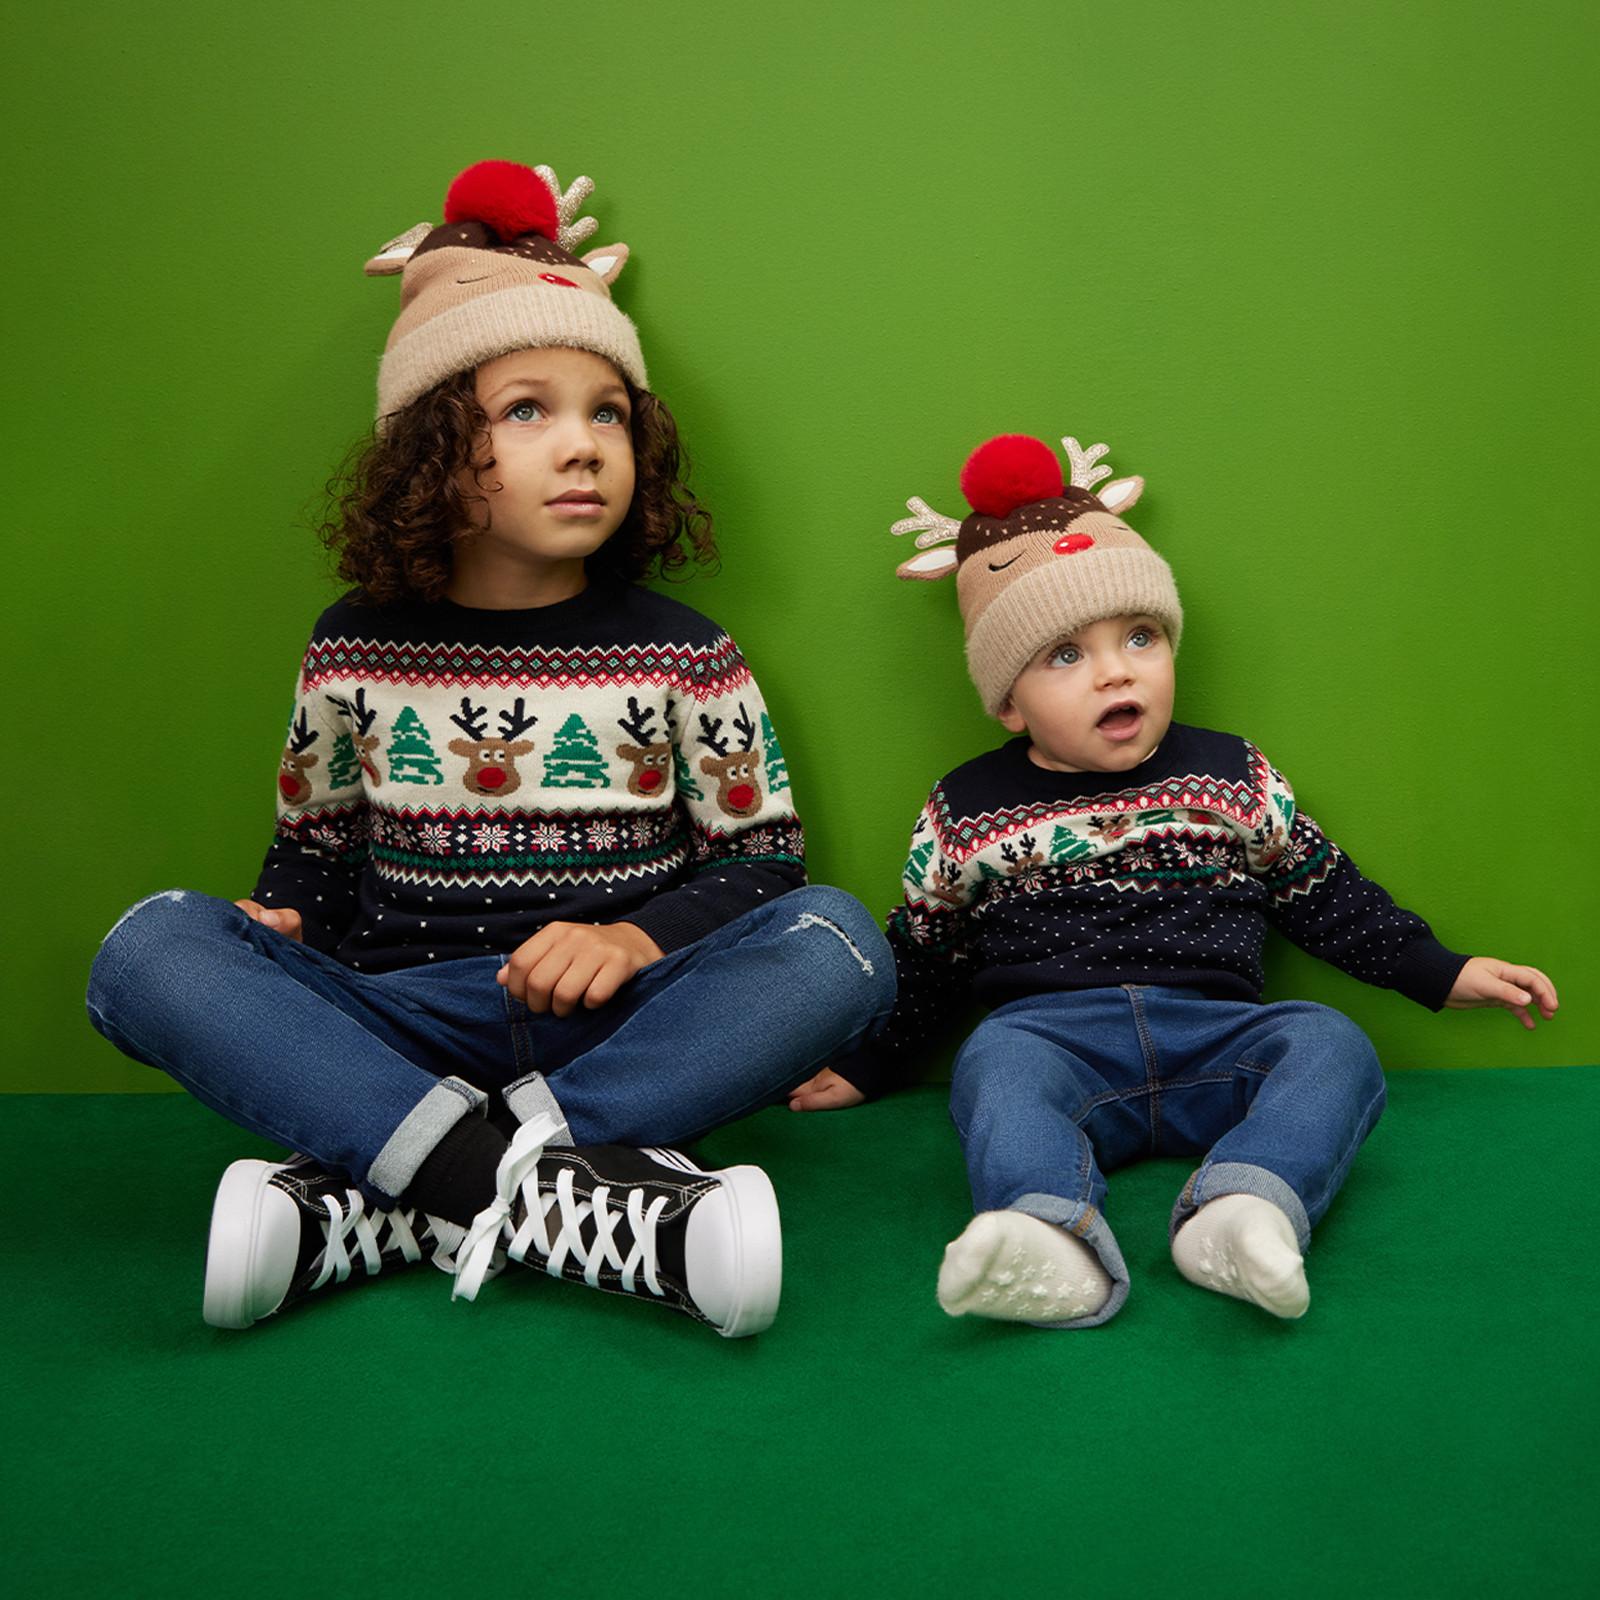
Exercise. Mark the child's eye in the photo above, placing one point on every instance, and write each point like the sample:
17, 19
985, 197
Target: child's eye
1142, 638
1065, 655
610, 414
524, 411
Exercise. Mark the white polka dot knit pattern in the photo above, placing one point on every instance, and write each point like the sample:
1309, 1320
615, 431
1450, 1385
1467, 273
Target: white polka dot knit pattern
1023, 881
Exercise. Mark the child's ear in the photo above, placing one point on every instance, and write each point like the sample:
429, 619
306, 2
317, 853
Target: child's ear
1011, 718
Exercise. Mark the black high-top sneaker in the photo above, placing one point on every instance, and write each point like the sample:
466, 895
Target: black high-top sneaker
281, 1230
649, 1223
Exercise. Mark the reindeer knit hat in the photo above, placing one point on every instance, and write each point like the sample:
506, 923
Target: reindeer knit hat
499, 275
1038, 558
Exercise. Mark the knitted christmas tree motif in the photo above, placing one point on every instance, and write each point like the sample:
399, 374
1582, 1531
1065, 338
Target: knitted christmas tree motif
917, 862
363, 741
344, 765
777, 767
574, 761
1067, 845
412, 758
684, 778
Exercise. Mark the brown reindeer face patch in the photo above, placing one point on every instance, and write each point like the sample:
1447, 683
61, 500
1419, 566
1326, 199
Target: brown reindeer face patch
492, 764
651, 764
492, 760
293, 784
996, 565
738, 781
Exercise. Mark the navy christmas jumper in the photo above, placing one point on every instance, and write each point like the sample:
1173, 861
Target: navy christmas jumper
455, 778
1023, 881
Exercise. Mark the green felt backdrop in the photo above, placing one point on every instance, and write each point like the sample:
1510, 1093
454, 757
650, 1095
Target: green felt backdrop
1321, 274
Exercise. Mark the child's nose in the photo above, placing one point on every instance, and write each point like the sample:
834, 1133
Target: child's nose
581, 445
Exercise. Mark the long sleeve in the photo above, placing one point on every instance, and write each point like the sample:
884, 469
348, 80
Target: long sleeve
732, 786
319, 842
930, 934
1320, 899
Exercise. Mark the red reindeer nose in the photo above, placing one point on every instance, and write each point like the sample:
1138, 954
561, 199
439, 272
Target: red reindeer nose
491, 778
649, 780
1069, 544
289, 787
740, 795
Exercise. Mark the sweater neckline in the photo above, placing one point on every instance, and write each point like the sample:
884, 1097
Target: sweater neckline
1044, 783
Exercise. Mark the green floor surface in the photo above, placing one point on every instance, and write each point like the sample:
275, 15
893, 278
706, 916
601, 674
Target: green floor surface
1428, 1429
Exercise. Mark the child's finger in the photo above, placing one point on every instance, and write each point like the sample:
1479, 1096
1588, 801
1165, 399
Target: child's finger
574, 983
542, 977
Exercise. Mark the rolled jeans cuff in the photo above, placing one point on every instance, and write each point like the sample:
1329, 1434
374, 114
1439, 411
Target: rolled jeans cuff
530, 1097
1212, 1180
438, 1111
1084, 1222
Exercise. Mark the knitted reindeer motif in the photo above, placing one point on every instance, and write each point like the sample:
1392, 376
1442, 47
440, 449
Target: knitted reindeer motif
492, 761
650, 756
293, 784
737, 773
363, 740
1023, 862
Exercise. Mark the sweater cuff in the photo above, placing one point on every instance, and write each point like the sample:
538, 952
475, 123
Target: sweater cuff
1427, 971
677, 918
871, 1071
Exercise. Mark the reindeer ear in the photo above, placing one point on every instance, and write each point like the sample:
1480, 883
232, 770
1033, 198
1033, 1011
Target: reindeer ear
939, 563
462, 747
393, 256
607, 262
1120, 495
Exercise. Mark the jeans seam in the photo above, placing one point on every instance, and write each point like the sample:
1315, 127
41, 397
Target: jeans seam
1152, 1063
1337, 1176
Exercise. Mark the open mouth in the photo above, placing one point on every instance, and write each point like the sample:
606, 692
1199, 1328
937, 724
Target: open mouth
1122, 720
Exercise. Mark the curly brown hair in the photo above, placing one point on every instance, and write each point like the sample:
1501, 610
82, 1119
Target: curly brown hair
397, 505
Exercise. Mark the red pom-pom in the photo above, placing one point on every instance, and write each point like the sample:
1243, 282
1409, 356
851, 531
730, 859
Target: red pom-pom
503, 195
1008, 472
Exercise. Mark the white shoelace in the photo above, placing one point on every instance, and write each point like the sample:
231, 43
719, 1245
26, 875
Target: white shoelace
342, 1223
518, 1173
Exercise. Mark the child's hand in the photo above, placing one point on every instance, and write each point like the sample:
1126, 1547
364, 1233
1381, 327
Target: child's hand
568, 962
825, 1092
1487, 982
280, 919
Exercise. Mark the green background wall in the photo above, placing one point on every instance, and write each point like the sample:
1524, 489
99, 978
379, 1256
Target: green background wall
1322, 274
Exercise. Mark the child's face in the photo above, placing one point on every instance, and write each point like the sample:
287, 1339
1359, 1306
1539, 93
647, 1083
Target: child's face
1099, 701
562, 479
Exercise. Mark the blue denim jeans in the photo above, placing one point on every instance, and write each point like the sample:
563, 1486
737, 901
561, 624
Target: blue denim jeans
1052, 1092
366, 1073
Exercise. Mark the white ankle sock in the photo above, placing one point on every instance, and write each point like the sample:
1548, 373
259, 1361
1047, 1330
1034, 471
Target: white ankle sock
1009, 1265
1241, 1245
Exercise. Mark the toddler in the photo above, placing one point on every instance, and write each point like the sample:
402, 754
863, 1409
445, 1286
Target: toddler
1104, 882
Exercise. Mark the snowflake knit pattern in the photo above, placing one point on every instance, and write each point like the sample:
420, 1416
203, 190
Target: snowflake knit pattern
1021, 881
454, 779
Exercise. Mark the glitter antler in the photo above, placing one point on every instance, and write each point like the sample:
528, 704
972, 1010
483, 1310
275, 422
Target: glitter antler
573, 229
1116, 496
1085, 474
936, 535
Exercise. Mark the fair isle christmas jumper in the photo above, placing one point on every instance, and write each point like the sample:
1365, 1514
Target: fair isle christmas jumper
456, 778
1023, 881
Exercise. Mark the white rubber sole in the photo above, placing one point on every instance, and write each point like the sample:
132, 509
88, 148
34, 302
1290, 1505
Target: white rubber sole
754, 1275
251, 1251
759, 1232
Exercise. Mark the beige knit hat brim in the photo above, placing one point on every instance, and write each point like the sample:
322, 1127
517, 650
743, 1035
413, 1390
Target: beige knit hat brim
1056, 599
527, 317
